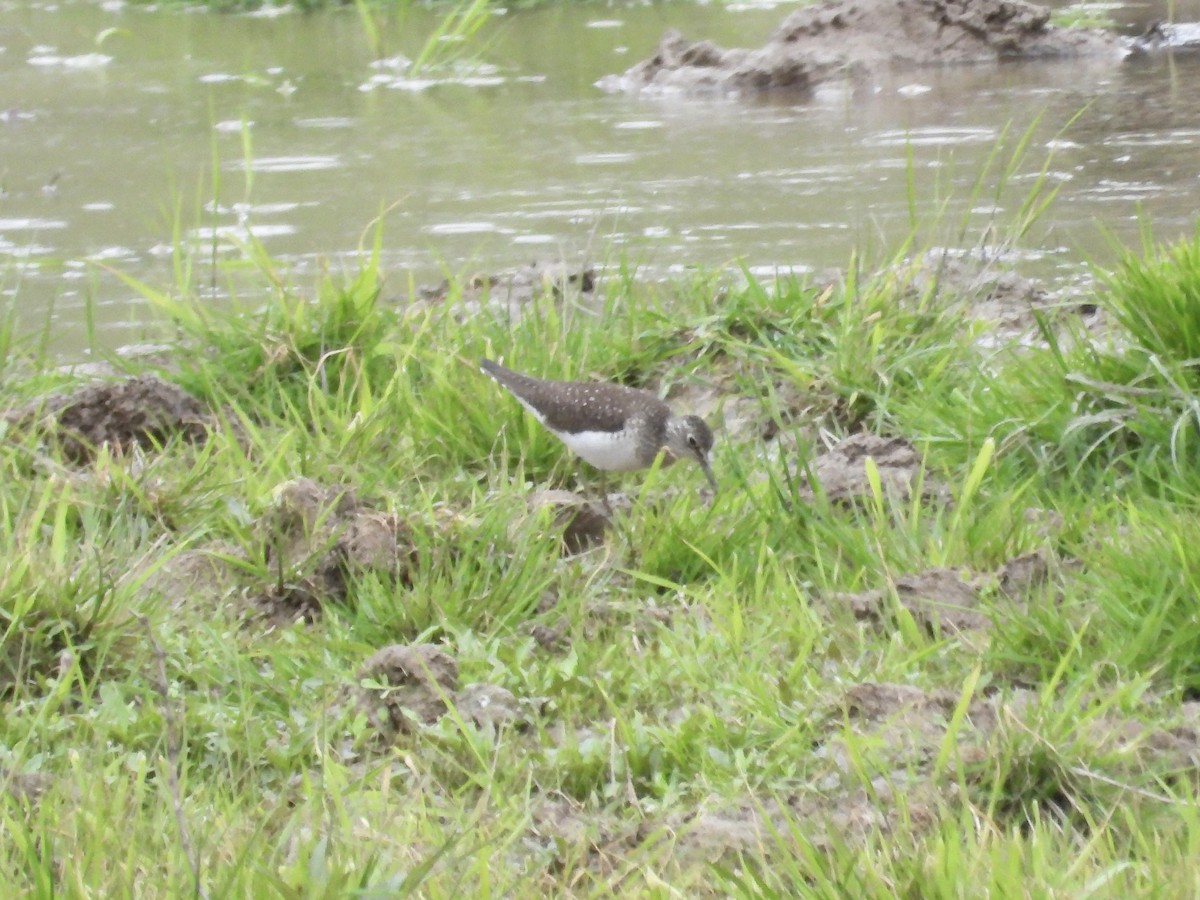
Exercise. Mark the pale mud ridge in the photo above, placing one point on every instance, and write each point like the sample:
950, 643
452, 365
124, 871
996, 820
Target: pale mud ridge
858, 38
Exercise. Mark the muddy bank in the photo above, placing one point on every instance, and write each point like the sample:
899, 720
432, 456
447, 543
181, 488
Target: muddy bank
856, 39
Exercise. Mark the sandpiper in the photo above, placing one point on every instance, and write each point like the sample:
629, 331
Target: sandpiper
615, 428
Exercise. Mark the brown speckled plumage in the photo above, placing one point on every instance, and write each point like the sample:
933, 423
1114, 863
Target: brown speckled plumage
626, 428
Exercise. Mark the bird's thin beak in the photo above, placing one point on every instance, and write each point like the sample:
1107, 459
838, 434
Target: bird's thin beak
707, 470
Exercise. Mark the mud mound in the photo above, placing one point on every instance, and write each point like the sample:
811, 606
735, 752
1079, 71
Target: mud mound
487, 706
935, 598
943, 601
841, 472
552, 638
767, 825
26, 788
143, 411
318, 538
581, 522
402, 688
569, 830
855, 38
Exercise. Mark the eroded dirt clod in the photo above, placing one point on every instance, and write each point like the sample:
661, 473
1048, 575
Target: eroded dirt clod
487, 706
401, 687
583, 523
945, 600
140, 412
841, 471
318, 538
935, 597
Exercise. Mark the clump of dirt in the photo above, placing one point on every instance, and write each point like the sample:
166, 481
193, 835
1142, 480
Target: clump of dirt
841, 471
942, 600
904, 721
1174, 748
513, 290
487, 706
935, 597
317, 538
551, 638
768, 825
909, 725
725, 828
140, 412
403, 687
905, 725
1022, 574
582, 523
859, 38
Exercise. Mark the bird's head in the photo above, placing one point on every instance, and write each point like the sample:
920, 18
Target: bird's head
690, 438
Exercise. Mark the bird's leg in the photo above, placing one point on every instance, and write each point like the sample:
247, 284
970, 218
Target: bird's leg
601, 484
608, 510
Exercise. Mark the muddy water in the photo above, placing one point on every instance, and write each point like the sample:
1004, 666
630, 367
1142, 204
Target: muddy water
199, 130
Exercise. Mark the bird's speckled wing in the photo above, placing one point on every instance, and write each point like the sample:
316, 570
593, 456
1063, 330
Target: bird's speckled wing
572, 406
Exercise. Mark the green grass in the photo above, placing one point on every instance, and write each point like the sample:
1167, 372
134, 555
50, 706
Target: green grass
700, 725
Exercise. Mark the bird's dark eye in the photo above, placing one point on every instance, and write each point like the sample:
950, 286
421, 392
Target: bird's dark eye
692, 441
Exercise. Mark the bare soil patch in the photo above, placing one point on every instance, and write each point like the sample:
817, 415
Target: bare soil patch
937, 598
195, 576
1005, 305
946, 601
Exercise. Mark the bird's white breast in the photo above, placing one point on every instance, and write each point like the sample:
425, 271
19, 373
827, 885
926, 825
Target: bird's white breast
611, 451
